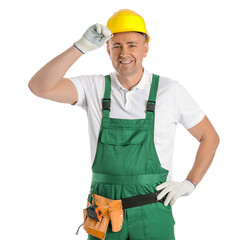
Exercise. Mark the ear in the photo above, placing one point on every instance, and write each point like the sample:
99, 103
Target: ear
108, 49
146, 48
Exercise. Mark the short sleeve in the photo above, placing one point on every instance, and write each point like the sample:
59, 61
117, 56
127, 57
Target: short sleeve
189, 112
83, 85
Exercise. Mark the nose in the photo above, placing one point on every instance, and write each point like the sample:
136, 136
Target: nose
124, 51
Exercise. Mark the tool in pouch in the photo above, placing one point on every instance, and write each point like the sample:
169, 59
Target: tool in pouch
98, 214
93, 212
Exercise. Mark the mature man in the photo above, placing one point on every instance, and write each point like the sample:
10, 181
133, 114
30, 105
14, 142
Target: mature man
133, 116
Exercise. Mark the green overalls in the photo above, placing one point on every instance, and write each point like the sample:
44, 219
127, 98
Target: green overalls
125, 165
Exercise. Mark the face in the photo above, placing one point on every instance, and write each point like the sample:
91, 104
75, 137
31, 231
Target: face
127, 50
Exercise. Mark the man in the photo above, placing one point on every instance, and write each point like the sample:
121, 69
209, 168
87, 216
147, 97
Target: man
133, 116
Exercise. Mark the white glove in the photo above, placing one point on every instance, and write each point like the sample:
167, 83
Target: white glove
174, 190
93, 38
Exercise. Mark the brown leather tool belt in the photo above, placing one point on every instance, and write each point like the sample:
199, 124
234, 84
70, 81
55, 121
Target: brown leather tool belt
112, 210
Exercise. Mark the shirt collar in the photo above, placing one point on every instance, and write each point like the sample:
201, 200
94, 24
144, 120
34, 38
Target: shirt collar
141, 84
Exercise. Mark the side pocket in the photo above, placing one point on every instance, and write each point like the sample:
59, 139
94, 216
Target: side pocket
169, 207
172, 217
159, 218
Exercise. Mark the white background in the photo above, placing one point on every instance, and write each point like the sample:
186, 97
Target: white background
45, 169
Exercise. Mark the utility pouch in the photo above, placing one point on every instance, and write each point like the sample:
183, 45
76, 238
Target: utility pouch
109, 209
95, 228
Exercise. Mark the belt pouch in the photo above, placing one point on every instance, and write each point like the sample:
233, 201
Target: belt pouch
93, 227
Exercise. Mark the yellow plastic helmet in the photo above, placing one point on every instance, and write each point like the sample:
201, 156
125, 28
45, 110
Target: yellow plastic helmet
126, 20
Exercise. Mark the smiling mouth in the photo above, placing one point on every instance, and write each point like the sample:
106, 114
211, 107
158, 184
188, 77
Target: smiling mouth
125, 62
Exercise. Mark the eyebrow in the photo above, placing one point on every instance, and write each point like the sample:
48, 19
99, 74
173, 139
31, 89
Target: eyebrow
127, 43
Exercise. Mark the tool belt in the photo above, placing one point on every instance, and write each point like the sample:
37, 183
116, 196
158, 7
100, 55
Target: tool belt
108, 209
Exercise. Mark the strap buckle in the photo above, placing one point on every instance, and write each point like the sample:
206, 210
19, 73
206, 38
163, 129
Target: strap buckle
151, 106
106, 105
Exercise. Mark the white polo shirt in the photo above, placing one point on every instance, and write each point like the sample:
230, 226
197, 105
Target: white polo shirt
173, 105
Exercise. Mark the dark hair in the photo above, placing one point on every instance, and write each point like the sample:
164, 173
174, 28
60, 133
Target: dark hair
144, 34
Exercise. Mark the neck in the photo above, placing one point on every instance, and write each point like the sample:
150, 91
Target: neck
130, 81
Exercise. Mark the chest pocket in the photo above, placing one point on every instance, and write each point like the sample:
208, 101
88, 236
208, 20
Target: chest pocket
119, 136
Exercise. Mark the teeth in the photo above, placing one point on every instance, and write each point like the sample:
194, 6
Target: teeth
125, 62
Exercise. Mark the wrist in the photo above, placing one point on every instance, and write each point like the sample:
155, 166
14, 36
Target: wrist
191, 182
189, 187
78, 49
84, 46
81, 45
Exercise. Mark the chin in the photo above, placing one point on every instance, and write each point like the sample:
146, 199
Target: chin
125, 73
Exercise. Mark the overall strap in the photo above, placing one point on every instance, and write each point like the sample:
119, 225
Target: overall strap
106, 101
152, 98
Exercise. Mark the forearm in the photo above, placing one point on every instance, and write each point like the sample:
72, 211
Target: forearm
50, 74
204, 158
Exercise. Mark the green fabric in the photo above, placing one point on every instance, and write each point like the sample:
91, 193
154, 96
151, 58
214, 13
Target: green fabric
125, 165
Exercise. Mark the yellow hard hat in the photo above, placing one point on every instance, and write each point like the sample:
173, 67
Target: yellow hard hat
126, 20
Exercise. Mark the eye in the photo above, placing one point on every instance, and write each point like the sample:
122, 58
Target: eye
116, 47
132, 46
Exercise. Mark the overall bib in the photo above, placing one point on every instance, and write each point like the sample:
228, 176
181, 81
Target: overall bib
125, 165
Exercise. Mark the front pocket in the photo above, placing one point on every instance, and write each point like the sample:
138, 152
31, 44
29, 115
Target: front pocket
123, 150
120, 136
